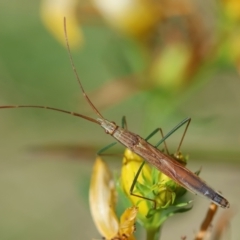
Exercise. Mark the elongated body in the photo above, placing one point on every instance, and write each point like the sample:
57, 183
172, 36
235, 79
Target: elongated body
163, 162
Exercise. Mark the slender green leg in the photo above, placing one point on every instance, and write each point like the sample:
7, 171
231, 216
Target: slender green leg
153, 133
124, 125
133, 185
101, 151
140, 169
177, 155
187, 120
124, 122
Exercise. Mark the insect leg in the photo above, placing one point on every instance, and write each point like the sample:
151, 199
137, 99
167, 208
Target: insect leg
133, 185
101, 151
153, 133
187, 120
140, 169
177, 155
124, 123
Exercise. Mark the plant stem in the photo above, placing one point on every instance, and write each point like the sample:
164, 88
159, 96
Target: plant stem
154, 233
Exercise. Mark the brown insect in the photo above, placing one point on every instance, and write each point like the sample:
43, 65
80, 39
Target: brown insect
163, 162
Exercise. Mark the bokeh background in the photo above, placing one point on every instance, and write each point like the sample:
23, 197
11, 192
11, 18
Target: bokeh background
154, 62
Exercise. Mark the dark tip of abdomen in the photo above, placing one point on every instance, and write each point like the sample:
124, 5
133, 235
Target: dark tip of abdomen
221, 201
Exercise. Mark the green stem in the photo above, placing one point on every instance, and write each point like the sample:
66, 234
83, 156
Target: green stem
154, 233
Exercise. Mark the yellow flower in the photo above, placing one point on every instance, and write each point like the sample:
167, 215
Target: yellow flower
232, 9
52, 14
133, 17
102, 204
151, 184
131, 164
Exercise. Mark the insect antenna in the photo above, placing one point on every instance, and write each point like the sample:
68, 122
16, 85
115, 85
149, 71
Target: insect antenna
78, 79
54, 109
76, 74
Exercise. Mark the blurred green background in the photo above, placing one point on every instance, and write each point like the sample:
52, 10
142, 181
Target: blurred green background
46, 157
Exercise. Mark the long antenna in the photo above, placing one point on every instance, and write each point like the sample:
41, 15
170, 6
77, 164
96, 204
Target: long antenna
54, 109
78, 79
75, 72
